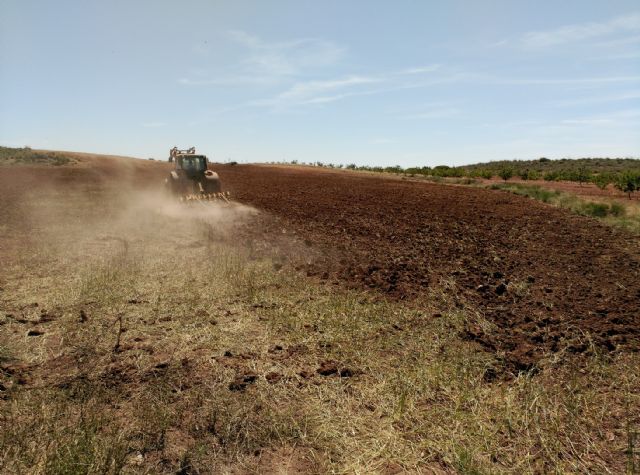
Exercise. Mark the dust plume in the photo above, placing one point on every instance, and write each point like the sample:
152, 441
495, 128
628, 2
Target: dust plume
87, 214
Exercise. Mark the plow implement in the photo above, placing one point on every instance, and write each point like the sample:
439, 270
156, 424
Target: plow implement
222, 196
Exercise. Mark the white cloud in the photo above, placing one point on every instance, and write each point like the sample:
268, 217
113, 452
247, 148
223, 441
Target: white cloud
306, 90
271, 62
317, 92
583, 31
320, 92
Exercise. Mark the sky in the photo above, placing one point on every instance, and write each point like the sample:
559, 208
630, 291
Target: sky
410, 83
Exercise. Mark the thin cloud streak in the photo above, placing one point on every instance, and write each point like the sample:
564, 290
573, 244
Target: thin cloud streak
562, 81
621, 97
433, 114
420, 70
579, 32
624, 118
316, 92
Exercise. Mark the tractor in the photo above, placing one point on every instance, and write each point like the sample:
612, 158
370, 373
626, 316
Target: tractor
191, 179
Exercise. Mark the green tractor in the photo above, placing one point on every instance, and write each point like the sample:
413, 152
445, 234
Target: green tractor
191, 179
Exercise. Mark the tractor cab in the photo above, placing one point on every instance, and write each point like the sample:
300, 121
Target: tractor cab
192, 164
188, 162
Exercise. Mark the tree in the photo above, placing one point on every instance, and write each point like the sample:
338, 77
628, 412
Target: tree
486, 173
601, 180
583, 175
627, 182
505, 173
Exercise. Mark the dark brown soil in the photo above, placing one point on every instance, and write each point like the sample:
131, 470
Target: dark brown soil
547, 280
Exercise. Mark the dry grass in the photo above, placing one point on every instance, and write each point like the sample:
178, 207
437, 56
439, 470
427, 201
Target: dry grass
611, 211
148, 318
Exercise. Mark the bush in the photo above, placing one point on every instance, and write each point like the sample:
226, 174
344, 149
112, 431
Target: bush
596, 210
617, 210
394, 169
551, 176
544, 195
487, 174
523, 174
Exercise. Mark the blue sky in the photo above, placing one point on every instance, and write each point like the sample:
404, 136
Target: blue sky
366, 82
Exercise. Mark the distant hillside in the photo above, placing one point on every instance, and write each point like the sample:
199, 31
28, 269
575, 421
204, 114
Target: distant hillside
543, 165
27, 156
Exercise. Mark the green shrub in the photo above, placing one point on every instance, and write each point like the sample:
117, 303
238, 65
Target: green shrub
27, 156
528, 174
543, 195
394, 169
551, 176
486, 174
596, 210
617, 210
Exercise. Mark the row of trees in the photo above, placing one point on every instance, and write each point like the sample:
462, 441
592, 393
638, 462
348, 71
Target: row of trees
627, 181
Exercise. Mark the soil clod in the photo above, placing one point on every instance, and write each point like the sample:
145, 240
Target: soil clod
241, 382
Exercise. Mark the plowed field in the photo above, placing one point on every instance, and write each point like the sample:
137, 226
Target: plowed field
541, 279
326, 321
545, 280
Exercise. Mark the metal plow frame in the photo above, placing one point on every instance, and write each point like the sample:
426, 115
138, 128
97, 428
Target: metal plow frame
204, 197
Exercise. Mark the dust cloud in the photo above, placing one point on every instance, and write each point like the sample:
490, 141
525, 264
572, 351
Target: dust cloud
81, 215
